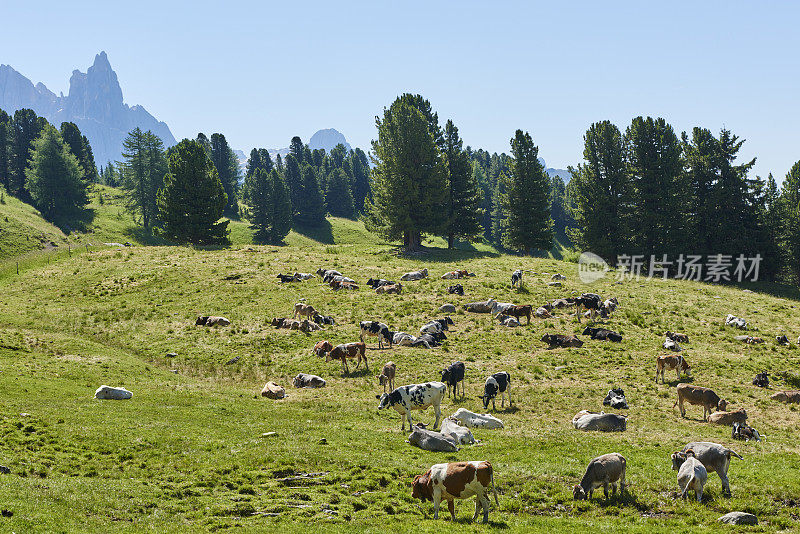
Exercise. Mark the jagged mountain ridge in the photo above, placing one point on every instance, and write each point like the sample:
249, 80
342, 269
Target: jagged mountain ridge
94, 103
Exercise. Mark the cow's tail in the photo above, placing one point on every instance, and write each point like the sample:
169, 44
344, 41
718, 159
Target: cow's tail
688, 484
731, 453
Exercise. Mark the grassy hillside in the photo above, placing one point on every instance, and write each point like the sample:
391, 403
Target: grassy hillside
23, 230
192, 449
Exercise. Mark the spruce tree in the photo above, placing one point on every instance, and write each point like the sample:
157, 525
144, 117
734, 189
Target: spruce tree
790, 229
297, 149
360, 191
5, 150
294, 178
338, 197
527, 198
25, 129
192, 200
464, 211
227, 165
262, 204
311, 207
282, 208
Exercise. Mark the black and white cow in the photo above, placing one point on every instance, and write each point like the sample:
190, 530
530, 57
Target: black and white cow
439, 325
376, 329
457, 289
452, 375
414, 397
325, 272
375, 283
497, 383
324, 319
516, 278
591, 302
433, 340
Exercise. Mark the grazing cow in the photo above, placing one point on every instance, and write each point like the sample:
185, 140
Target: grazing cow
677, 336
474, 420
782, 340
603, 422
376, 329
560, 340
386, 378
604, 470
452, 375
415, 275
287, 278
375, 283
738, 322
480, 307
728, 418
457, 275
458, 480
392, 288
670, 362
518, 311
745, 433
111, 393
788, 397
761, 380
602, 334
616, 399
428, 440
511, 322
671, 344
439, 325
403, 339
355, 351
462, 435
457, 289
205, 320
714, 457
497, 383
306, 310
322, 347
273, 391
323, 319
414, 397
704, 397
692, 475
591, 302
516, 278
303, 380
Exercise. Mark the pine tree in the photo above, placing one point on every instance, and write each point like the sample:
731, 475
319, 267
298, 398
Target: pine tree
297, 149
282, 208
409, 181
311, 208
790, 229
192, 200
294, 180
5, 150
88, 164
227, 165
464, 211
279, 163
25, 129
338, 197
54, 178
527, 198
262, 204
480, 178
360, 191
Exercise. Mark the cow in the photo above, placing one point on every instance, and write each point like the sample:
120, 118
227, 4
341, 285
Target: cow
415, 275
404, 339
670, 362
516, 278
602, 334
457, 275
306, 310
376, 329
325, 272
603, 422
713, 456
616, 399
303, 380
704, 397
474, 420
510, 322
337, 278
782, 340
728, 418
287, 278
743, 432
677, 336
205, 320
457, 480
457, 289
462, 435
355, 351
277, 322
307, 326
392, 288
497, 383
431, 340
692, 475
518, 311
439, 325
560, 340
788, 397
336, 285
671, 344
738, 322
323, 319
609, 307
375, 283
273, 391
414, 397
303, 276
542, 313
604, 470
480, 307
500, 307
111, 393
452, 375
591, 302
428, 440
386, 378
562, 303
750, 340
761, 380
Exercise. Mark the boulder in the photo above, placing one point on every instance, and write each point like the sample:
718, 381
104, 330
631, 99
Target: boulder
738, 518
273, 391
447, 308
109, 393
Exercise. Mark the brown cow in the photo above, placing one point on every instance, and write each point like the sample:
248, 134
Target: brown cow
304, 310
354, 350
728, 418
336, 285
322, 347
697, 395
670, 362
456, 480
391, 288
518, 311
789, 397
386, 378
677, 336
560, 340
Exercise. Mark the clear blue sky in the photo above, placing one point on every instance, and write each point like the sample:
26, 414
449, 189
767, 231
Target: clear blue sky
261, 72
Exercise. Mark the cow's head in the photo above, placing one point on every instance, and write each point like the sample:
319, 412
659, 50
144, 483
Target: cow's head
382, 380
588, 331
421, 487
383, 401
486, 399
448, 321
276, 321
578, 492
678, 458
323, 347
201, 320
722, 405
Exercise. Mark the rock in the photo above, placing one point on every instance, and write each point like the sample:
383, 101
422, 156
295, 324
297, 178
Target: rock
273, 391
738, 518
447, 308
323, 441
110, 393
5, 470
174, 371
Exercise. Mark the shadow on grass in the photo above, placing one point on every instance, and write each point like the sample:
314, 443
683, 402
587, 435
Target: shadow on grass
322, 233
445, 255
80, 222
356, 373
146, 237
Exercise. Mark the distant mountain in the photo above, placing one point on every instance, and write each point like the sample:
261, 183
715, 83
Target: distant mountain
552, 173
327, 140
94, 103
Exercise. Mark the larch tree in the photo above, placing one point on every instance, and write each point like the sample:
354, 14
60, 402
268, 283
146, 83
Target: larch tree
143, 168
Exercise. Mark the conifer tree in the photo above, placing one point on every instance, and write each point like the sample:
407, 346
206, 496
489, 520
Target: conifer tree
143, 171
790, 211
292, 174
5, 150
25, 129
464, 211
262, 204
282, 208
311, 207
360, 188
227, 165
338, 197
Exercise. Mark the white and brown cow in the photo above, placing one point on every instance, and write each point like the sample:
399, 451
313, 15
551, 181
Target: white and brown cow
414, 397
356, 351
672, 362
302, 310
456, 480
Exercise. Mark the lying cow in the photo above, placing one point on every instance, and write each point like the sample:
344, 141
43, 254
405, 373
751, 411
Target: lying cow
616, 399
480, 307
563, 303
474, 420
603, 422
602, 334
414, 397
206, 320
604, 470
692, 475
750, 340
738, 322
323, 319
789, 397
111, 393
452, 375
304, 310
325, 272
560, 340
336, 285
698, 395
386, 378
458, 480
670, 362
376, 329
287, 278
307, 326
389, 289
497, 383
782, 340
432, 340
671, 344
303, 380
415, 275
518, 311
457, 289
428, 440
510, 322
461, 434
714, 457
677, 336
728, 418
354, 351
439, 325
455, 275
744, 432
407, 340
375, 283
542, 313
303, 276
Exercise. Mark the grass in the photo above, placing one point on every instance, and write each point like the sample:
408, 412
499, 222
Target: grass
23, 230
188, 452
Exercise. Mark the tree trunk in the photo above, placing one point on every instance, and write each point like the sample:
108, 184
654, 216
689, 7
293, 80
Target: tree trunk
450, 239
412, 240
